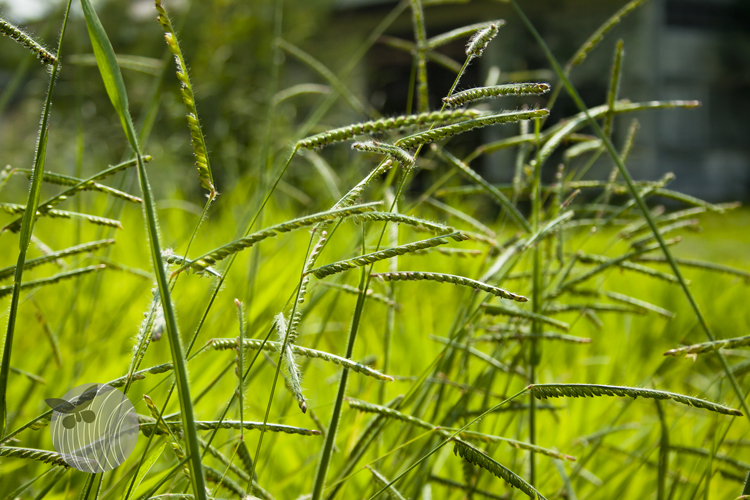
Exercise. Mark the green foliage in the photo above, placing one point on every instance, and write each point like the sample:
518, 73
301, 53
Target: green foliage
463, 367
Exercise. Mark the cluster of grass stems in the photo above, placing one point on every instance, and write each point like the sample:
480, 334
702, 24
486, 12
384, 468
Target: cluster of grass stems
522, 282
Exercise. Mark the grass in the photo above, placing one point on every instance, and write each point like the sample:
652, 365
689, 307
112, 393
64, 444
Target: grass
542, 367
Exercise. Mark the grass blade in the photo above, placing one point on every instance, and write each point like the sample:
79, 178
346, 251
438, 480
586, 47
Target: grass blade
115, 86
27, 226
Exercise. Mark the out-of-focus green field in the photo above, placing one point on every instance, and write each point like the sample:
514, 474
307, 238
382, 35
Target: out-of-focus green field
96, 317
92, 321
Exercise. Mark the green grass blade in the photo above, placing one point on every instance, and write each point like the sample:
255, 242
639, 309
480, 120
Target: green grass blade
115, 86
27, 226
146, 467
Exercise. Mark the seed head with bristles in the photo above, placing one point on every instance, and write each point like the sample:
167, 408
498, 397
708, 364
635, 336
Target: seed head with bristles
480, 40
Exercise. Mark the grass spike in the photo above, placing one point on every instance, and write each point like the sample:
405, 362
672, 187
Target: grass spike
436, 134
448, 37
8, 289
544, 391
480, 40
449, 278
199, 264
7, 272
289, 363
23, 38
481, 459
223, 344
500, 309
512, 89
363, 260
381, 148
384, 125
197, 138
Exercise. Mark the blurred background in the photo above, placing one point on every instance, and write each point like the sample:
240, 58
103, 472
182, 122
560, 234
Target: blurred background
674, 49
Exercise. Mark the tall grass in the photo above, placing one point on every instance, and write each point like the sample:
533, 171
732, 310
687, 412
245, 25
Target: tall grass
555, 296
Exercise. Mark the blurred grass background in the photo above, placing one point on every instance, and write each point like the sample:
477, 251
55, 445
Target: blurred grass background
227, 44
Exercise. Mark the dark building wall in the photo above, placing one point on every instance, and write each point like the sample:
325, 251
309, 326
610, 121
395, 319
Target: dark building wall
674, 49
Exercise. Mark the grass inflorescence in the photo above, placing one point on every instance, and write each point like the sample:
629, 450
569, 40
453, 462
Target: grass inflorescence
565, 295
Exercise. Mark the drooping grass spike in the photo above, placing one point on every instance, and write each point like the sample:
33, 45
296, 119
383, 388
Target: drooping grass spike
225, 251
436, 134
480, 40
544, 391
20, 36
223, 344
481, 459
398, 154
388, 253
387, 125
512, 89
449, 278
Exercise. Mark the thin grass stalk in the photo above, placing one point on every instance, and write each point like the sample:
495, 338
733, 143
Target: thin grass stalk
605, 263
455, 484
44, 206
326, 73
75, 250
480, 355
322, 471
698, 264
240, 367
381, 480
614, 88
28, 225
448, 440
420, 37
639, 199
116, 89
537, 304
431, 55
390, 321
369, 434
661, 484
491, 190
629, 141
